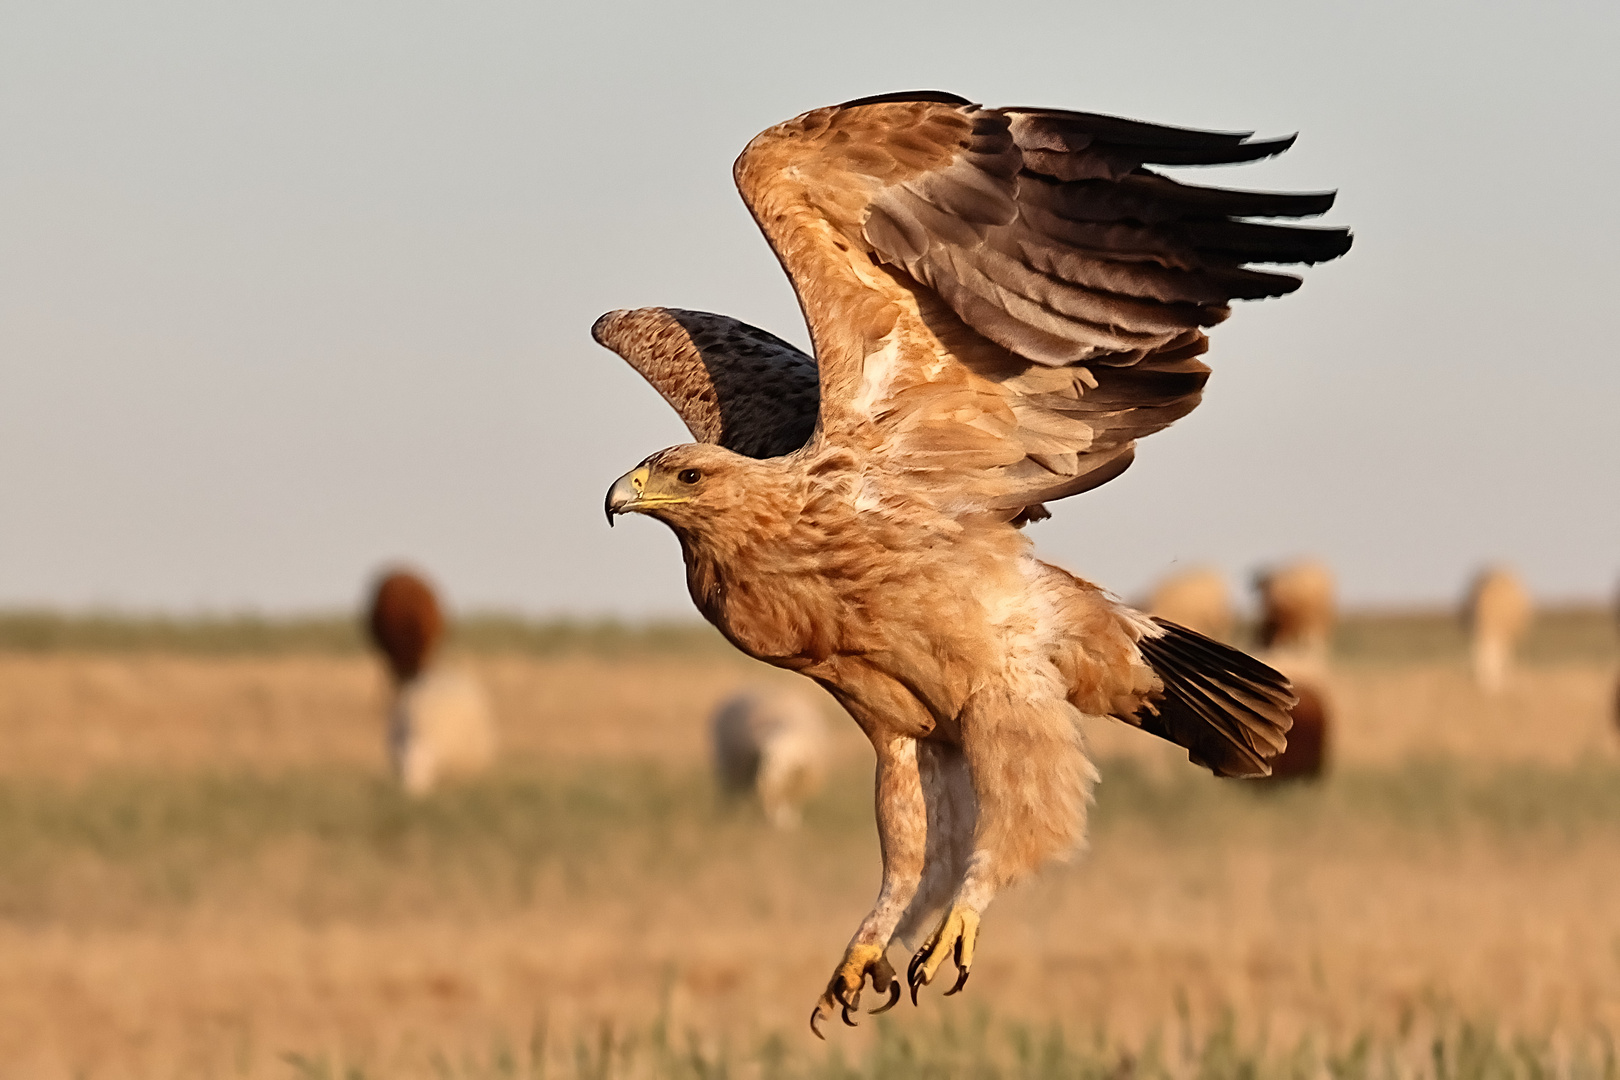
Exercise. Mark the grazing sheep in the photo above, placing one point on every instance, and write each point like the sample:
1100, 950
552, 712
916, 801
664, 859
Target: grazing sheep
439, 725
772, 743
1197, 599
439, 722
1497, 612
1297, 609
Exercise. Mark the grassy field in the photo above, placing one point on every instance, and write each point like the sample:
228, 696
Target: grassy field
205, 872
1572, 633
341, 635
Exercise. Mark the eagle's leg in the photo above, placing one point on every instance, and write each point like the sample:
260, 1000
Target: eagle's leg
1032, 783
902, 819
952, 811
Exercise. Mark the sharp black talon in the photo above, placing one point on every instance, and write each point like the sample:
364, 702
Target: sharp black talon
961, 981
894, 999
815, 1014
847, 1019
914, 976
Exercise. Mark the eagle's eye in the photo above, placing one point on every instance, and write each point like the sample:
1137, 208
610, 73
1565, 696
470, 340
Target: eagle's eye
689, 476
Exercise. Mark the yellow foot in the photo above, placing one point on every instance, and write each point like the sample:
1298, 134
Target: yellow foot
956, 934
844, 992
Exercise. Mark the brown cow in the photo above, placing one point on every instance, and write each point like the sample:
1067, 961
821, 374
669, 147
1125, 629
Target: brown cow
1297, 613
406, 623
1306, 755
439, 720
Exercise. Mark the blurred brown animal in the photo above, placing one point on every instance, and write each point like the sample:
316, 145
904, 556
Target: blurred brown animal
1297, 608
439, 721
1497, 612
406, 623
1197, 599
1305, 757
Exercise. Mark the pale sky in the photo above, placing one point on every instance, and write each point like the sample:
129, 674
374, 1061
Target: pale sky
288, 290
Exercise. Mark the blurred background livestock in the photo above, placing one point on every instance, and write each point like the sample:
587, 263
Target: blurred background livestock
205, 869
770, 744
1497, 612
439, 721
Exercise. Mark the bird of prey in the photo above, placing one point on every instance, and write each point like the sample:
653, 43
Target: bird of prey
1001, 302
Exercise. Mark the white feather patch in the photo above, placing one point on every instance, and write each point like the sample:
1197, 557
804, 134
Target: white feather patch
878, 371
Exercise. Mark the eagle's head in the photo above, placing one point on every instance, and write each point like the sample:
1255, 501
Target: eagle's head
693, 487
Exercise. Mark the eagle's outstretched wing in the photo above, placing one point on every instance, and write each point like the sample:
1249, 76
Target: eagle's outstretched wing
733, 384
1003, 300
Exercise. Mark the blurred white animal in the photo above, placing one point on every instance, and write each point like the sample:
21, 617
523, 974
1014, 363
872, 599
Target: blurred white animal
439, 725
439, 722
1197, 599
1617, 685
1497, 612
1297, 611
771, 742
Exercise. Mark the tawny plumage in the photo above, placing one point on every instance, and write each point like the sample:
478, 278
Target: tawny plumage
1002, 301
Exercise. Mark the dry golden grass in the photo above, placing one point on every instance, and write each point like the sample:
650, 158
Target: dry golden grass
71, 715
203, 872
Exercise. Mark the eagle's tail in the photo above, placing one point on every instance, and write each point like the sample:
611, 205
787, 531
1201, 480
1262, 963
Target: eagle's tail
1228, 709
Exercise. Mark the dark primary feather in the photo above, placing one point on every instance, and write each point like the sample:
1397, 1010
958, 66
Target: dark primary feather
733, 384
1230, 711
1048, 234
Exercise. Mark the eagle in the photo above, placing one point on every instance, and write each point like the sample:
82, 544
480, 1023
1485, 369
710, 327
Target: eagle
1001, 301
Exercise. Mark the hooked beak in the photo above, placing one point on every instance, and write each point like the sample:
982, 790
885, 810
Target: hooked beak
625, 494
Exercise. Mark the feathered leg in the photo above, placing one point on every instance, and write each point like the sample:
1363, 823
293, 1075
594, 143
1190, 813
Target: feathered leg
1032, 781
947, 787
902, 819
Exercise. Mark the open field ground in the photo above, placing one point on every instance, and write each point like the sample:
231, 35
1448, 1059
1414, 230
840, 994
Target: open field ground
204, 872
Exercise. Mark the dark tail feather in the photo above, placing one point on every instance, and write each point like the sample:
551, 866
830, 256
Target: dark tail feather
1228, 709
